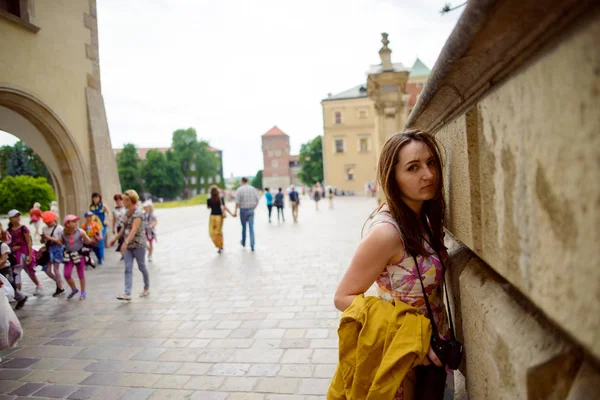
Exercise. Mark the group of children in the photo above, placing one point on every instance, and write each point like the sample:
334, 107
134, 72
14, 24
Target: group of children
67, 244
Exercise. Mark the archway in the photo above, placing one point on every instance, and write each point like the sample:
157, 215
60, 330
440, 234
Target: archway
31, 120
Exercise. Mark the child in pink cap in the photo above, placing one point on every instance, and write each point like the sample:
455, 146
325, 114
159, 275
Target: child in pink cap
73, 239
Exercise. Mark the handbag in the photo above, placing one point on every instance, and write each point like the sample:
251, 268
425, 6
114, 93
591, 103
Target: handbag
10, 327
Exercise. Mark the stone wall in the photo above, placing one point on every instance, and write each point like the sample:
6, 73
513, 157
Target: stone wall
523, 191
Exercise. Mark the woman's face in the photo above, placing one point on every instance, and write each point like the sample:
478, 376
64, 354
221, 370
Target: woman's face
416, 173
96, 200
127, 201
16, 220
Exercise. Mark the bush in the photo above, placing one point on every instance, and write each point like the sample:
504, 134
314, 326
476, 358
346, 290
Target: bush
21, 192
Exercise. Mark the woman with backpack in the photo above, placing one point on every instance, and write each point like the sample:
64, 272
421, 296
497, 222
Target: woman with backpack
21, 246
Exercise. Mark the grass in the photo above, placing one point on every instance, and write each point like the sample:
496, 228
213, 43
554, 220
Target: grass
193, 201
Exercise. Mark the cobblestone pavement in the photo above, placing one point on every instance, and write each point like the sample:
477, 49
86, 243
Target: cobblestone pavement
240, 325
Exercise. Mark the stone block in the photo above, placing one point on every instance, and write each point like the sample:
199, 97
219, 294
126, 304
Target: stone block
510, 352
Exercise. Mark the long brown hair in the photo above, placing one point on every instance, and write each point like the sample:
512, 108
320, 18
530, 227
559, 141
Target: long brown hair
215, 197
431, 221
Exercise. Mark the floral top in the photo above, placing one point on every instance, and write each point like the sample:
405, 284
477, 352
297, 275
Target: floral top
139, 240
400, 281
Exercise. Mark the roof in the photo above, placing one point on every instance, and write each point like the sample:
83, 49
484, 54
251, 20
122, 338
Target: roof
377, 68
274, 131
419, 69
354, 93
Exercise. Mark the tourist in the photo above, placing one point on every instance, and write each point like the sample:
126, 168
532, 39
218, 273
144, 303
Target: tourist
51, 238
295, 202
246, 200
134, 245
217, 206
279, 204
150, 222
330, 196
93, 229
101, 211
74, 239
119, 214
20, 242
317, 195
35, 219
403, 234
7, 269
269, 201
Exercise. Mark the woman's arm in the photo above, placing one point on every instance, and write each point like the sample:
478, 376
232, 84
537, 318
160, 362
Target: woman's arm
28, 239
380, 247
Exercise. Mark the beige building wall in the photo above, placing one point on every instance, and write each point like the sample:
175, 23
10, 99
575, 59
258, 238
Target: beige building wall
523, 189
358, 122
50, 96
51, 63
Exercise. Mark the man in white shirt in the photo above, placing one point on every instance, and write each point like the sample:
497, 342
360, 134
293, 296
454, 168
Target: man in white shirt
246, 200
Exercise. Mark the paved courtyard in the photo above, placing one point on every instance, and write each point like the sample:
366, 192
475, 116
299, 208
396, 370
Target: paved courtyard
240, 325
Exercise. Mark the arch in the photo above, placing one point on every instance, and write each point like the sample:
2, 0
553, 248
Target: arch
64, 159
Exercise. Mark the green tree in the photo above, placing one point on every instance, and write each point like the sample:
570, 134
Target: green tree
185, 146
154, 174
21, 192
207, 163
257, 181
36, 165
5, 156
18, 163
128, 165
311, 161
176, 180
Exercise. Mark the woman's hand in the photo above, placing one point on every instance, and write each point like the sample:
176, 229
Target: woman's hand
123, 248
432, 358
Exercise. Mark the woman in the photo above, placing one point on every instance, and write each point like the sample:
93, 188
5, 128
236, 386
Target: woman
101, 211
20, 243
409, 223
119, 214
134, 245
150, 222
317, 195
215, 225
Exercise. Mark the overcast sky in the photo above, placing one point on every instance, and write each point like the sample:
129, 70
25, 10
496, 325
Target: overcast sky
233, 69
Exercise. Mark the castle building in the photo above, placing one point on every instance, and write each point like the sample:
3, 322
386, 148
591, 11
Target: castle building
280, 167
358, 120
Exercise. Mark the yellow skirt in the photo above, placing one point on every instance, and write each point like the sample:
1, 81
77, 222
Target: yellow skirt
215, 230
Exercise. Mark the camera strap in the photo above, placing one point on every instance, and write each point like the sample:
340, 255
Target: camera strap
445, 289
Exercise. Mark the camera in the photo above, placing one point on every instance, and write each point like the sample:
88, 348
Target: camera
450, 352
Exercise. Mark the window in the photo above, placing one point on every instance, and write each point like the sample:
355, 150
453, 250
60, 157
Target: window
194, 192
210, 179
202, 190
349, 172
362, 114
11, 6
202, 180
270, 153
363, 144
193, 180
193, 167
277, 153
275, 163
218, 179
339, 145
18, 11
338, 117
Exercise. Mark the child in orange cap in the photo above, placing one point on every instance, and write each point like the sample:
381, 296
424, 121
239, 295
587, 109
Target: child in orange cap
51, 235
